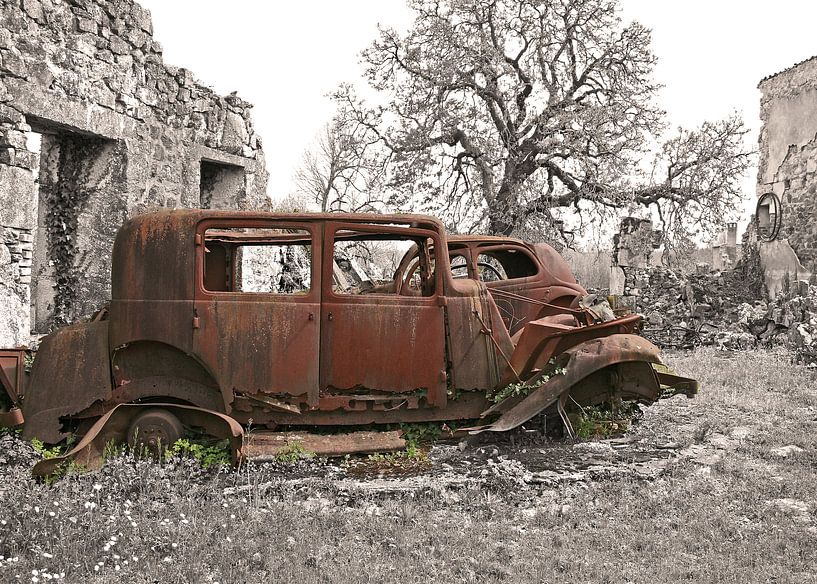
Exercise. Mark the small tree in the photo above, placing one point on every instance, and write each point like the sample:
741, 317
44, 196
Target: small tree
496, 113
342, 171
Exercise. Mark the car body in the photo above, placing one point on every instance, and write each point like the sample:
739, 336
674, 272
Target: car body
277, 321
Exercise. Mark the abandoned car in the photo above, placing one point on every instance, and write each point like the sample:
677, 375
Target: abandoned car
221, 321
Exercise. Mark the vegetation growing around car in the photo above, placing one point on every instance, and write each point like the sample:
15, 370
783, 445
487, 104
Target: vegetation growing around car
521, 389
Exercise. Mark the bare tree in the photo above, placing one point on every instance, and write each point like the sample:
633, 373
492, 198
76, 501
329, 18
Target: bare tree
498, 112
342, 171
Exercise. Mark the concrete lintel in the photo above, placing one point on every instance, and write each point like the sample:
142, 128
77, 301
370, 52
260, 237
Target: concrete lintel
42, 107
201, 152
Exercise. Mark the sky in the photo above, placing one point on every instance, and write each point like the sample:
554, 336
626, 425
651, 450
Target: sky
285, 56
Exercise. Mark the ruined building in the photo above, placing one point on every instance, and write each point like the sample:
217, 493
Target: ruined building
95, 128
786, 216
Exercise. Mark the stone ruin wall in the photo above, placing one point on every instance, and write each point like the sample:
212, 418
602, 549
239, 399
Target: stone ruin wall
95, 128
788, 154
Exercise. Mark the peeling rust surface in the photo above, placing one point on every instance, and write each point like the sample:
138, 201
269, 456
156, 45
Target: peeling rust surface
584, 359
70, 373
267, 446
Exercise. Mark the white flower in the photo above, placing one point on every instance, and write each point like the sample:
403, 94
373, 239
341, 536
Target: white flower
97, 487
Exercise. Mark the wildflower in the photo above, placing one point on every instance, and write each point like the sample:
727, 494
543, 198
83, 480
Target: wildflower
97, 487
47, 555
117, 568
52, 514
174, 545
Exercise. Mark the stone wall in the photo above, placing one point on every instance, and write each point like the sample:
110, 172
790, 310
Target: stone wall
94, 128
788, 154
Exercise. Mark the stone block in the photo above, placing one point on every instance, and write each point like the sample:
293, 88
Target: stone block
86, 25
235, 134
17, 194
12, 63
12, 139
7, 156
25, 159
34, 9
5, 38
9, 115
119, 46
141, 18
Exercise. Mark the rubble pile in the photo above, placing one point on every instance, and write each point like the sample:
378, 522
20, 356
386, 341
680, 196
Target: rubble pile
726, 309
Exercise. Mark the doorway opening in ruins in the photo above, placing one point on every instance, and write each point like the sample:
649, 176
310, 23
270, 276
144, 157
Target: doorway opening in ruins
69, 277
221, 185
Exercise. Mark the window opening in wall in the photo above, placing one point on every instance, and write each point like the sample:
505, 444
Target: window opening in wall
221, 185
258, 260
768, 217
73, 167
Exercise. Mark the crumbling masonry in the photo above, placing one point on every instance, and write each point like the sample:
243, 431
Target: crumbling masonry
787, 173
94, 128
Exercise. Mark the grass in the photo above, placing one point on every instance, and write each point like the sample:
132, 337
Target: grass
730, 519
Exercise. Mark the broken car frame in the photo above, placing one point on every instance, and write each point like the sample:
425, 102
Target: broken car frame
220, 320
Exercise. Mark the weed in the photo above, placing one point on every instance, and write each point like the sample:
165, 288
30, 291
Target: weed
205, 453
523, 388
422, 433
44, 450
293, 452
605, 420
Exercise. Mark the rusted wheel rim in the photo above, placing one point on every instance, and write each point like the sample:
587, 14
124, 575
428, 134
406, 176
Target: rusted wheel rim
154, 430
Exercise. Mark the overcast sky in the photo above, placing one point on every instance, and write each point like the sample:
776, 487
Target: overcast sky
285, 56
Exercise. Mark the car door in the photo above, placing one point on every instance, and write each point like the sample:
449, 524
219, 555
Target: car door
382, 339
257, 321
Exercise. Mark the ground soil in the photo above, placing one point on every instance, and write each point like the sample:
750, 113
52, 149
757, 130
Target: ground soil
719, 488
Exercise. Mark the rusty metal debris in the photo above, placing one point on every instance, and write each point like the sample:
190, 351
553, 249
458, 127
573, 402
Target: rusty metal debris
12, 368
224, 319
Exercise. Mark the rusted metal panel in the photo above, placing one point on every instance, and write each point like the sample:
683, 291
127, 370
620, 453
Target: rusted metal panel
275, 337
584, 359
71, 371
12, 373
12, 386
545, 338
472, 356
267, 446
385, 343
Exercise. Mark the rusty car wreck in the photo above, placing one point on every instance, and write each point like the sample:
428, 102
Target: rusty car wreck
224, 320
